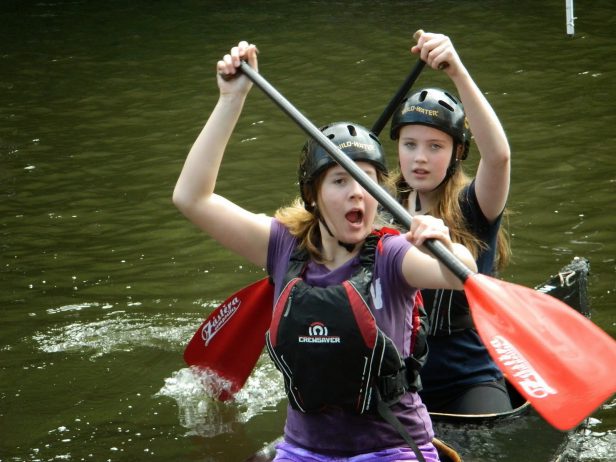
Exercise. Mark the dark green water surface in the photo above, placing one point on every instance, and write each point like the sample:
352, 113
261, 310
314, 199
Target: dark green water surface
102, 282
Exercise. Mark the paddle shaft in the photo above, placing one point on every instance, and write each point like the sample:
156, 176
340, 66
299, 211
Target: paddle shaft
403, 90
401, 93
398, 97
388, 202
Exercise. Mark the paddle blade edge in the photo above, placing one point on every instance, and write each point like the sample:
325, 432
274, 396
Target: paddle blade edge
560, 361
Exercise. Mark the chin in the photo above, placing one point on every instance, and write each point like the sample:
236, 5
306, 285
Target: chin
354, 237
422, 187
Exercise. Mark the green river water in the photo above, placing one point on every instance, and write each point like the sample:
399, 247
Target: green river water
103, 282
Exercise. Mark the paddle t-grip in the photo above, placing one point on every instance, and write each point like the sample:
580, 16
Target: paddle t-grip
418, 33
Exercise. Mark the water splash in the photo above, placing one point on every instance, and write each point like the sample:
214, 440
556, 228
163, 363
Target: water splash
199, 411
119, 331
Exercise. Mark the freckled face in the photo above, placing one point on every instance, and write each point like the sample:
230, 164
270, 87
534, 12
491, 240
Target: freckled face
346, 207
424, 154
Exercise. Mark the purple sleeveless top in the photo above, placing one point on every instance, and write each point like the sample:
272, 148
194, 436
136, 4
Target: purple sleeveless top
337, 432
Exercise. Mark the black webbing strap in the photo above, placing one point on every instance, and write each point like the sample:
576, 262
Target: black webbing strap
385, 412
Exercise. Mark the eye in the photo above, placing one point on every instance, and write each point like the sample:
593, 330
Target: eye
410, 144
436, 146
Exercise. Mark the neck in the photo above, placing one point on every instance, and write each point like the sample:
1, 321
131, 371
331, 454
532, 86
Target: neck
335, 255
425, 200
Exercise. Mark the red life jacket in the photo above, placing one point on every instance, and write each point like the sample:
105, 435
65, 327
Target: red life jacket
326, 343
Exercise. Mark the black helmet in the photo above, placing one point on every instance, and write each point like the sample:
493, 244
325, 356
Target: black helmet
357, 142
436, 108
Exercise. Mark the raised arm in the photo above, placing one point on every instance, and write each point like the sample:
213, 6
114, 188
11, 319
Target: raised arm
235, 228
492, 177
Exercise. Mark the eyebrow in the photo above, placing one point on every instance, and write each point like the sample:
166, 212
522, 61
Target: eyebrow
413, 138
338, 172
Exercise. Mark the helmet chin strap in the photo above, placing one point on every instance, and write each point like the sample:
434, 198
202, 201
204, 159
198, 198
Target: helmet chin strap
347, 246
417, 202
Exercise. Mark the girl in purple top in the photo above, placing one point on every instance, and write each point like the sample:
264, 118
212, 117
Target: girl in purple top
330, 222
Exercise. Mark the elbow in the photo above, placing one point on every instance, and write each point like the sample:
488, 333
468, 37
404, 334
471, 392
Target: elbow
505, 155
506, 158
177, 199
181, 201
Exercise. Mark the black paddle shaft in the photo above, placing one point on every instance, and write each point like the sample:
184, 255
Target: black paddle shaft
398, 97
388, 202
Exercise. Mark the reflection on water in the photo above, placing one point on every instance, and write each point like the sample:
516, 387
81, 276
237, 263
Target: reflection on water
102, 282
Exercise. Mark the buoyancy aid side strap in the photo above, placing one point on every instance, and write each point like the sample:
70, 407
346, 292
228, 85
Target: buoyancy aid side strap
419, 345
393, 386
413, 366
388, 416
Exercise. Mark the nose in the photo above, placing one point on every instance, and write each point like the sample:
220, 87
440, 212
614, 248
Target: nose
356, 190
420, 154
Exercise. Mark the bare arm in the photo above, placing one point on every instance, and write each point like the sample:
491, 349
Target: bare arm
235, 228
423, 270
492, 178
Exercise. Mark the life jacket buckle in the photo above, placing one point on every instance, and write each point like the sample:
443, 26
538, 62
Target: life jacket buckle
393, 386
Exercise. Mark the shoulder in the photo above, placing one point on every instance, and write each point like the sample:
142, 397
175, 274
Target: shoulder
281, 244
390, 255
393, 243
280, 235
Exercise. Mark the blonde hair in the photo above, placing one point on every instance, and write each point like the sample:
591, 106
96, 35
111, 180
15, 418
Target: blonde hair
448, 209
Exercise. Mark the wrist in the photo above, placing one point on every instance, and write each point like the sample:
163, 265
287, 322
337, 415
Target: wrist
232, 97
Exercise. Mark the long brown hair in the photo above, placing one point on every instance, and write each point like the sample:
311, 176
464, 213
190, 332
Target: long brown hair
448, 209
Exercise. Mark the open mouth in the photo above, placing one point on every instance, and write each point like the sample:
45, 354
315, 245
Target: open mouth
355, 216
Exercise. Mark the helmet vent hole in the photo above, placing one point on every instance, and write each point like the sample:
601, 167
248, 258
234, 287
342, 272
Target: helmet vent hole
451, 97
446, 105
352, 130
331, 136
422, 96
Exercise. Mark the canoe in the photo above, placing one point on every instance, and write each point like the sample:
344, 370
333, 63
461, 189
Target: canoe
569, 285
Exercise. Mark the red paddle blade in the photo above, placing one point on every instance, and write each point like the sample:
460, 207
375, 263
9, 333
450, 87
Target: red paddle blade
231, 339
560, 361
